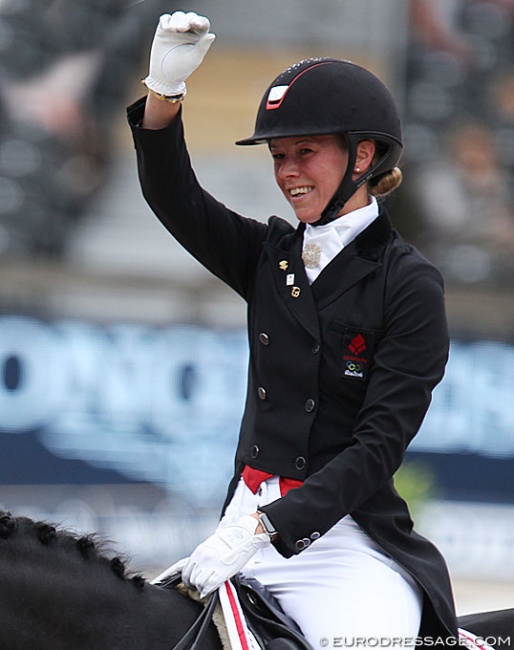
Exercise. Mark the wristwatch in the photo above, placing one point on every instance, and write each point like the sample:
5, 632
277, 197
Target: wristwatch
269, 528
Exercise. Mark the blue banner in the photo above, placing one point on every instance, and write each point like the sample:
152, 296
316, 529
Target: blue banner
126, 403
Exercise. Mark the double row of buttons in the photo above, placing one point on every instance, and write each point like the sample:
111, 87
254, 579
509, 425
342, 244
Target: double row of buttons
310, 404
300, 462
265, 340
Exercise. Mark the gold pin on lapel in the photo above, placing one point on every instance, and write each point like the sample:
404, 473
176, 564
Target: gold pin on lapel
283, 265
295, 292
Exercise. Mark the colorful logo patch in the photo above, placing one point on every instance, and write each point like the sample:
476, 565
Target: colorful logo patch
353, 369
357, 353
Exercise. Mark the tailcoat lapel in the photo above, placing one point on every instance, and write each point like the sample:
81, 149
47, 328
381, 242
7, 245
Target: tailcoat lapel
354, 262
358, 259
341, 274
296, 293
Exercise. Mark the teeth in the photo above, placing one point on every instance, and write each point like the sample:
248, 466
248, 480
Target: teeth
299, 190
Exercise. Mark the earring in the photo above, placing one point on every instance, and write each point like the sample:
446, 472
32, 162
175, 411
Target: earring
357, 169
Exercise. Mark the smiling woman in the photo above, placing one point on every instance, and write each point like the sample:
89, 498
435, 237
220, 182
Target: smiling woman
309, 170
348, 338
293, 157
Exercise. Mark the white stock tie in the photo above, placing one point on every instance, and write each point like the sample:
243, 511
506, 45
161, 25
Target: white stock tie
319, 248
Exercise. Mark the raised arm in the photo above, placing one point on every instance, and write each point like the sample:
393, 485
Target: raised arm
180, 43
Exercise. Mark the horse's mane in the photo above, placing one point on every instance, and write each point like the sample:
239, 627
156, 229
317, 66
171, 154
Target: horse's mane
61, 590
90, 547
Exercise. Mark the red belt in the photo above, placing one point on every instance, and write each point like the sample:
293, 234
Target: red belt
254, 477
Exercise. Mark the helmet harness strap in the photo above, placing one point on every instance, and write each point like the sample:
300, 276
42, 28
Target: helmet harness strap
348, 186
345, 190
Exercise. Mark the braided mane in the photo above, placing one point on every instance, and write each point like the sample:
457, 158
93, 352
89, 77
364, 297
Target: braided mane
60, 590
89, 547
63, 591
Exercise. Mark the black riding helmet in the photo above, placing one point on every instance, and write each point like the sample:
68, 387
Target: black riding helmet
331, 96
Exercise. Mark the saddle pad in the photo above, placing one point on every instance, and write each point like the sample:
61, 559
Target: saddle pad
239, 635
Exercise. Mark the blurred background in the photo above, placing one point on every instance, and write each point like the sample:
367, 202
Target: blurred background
123, 362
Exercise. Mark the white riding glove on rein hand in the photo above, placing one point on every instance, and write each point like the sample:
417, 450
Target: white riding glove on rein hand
220, 556
181, 41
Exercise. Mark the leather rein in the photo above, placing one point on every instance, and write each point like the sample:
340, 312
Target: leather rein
194, 637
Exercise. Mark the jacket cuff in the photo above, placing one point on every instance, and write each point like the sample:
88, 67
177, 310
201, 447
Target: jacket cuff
136, 111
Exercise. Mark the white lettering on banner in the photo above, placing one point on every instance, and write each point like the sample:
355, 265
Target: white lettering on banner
41, 389
164, 405
161, 405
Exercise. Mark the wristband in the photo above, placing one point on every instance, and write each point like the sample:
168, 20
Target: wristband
171, 99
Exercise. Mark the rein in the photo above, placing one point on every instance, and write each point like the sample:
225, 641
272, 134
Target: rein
193, 638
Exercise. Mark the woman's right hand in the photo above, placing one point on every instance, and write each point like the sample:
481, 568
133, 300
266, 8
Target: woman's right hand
180, 43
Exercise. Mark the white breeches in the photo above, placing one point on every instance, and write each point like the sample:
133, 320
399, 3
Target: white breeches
343, 590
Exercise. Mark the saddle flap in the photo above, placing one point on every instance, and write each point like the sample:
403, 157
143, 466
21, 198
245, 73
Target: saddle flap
264, 615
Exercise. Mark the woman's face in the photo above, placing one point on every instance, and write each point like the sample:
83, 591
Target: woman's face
308, 170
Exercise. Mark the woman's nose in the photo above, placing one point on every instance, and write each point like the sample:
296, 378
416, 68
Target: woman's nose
288, 167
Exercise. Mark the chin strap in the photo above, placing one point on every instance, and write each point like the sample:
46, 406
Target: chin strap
346, 189
348, 186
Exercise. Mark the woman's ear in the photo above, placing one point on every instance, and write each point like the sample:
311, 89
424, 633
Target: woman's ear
365, 153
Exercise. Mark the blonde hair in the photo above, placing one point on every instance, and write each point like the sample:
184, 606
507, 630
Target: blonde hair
386, 183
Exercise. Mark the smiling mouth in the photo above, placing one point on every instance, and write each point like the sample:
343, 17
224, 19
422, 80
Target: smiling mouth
300, 191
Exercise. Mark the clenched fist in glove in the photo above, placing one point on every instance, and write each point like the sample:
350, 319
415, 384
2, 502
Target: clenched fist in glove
221, 556
181, 41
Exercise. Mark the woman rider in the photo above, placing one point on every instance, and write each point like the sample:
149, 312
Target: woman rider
348, 338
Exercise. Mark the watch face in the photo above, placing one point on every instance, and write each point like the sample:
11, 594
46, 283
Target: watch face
267, 525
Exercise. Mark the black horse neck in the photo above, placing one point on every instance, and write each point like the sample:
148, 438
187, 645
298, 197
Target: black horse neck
59, 591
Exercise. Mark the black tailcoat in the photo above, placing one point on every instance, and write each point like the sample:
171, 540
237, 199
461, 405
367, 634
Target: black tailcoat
341, 372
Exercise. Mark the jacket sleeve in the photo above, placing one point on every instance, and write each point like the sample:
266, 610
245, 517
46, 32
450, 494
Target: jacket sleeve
226, 243
408, 363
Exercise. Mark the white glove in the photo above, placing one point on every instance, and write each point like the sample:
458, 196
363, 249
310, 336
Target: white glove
179, 45
223, 554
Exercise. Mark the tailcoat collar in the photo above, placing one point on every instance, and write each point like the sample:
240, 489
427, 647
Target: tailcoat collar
360, 258
291, 281
354, 262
